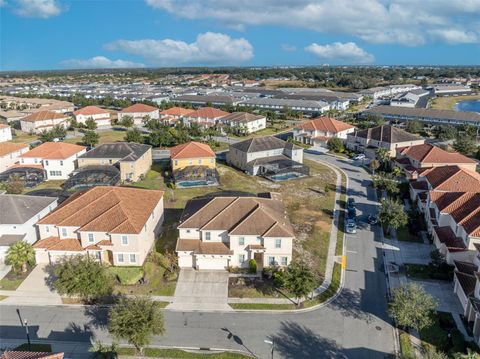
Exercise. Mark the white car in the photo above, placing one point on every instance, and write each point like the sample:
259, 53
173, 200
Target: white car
351, 228
360, 156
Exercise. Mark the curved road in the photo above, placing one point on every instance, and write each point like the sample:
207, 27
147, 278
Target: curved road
354, 325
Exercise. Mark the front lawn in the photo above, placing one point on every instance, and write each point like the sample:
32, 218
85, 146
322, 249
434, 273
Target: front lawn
110, 136
178, 353
421, 271
403, 234
13, 279
254, 288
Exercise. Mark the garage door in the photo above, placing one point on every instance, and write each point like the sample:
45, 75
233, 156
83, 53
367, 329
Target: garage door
212, 262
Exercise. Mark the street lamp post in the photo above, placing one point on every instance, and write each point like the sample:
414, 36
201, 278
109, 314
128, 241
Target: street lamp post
28, 335
272, 343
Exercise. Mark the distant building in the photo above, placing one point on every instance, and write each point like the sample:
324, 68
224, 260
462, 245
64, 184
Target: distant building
99, 115
409, 99
138, 112
204, 117
5, 133
275, 104
204, 100
388, 91
318, 131
451, 90
9, 153
244, 122
43, 121
176, 112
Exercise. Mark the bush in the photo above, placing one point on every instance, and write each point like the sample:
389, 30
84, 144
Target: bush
279, 279
252, 266
127, 275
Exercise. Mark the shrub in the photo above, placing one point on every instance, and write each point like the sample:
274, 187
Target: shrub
127, 275
252, 266
279, 279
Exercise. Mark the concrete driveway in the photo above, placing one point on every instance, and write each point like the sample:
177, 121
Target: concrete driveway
201, 290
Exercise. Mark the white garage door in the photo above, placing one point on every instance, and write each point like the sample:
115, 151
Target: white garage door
212, 262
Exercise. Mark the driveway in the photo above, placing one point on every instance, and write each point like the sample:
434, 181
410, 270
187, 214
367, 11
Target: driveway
201, 290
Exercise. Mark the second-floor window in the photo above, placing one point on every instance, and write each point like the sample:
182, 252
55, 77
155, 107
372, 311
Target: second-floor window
125, 240
61, 163
278, 243
207, 236
241, 241
64, 232
90, 237
47, 229
46, 163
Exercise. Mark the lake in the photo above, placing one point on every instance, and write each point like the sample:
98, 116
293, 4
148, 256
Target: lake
468, 106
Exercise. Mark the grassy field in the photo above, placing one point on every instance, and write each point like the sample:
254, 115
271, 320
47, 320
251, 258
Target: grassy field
448, 103
105, 137
177, 353
262, 306
270, 130
22, 137
341, 218
406, 346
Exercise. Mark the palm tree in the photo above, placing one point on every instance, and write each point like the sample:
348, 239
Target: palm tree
19, 255
383, 155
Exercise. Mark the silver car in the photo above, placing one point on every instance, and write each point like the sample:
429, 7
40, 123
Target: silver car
351, 228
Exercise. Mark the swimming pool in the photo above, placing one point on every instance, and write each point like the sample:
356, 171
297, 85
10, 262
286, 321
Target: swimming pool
285, 176
192, 183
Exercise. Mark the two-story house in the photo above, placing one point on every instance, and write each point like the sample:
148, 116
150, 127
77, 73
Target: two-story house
268, 156
9, 153
318, 131
412, 158
58, 159
244, 122
134, 160
176, 112
369, 140
223, 232
116, 225
43, 121
5, 133
139, 112
204, 117
99, 115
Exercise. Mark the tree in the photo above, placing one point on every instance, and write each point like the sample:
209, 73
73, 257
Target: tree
300, 280
90, 138
160, 138
134, 135
411, 306
414, 126
392, 214
385, 182
437, 258
104, 351
136, 320
374, 165
445, 132
383, 155
14, 186
82, 276
19, 254
335, 144
464, 144
91, 124
127, 121
57, 131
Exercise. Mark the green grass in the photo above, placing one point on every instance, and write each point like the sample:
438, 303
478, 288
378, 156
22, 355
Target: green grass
127, 275
12, 280
448, 102
404, 235
104, 137
331, 290
22, 137
262, 306
35, 347
341, 218
268, 131
178, 353
421, 271
406, 346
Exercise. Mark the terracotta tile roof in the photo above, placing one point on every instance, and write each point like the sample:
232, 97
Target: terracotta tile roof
452, 178
90, 110
105, 242
403, 161
30, 355
57, 244
44, 115
447, 236
54, 151
106, 209
419, 185
322, 138
191, 150
463, 207
25, 165
177, 111
139, 107
4, 126
239, 216
467, 282
9, 147
465, 267
208, 112
199, 247
427, 153
325, 124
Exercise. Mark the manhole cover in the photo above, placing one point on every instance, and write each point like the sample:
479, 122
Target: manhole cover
378, 328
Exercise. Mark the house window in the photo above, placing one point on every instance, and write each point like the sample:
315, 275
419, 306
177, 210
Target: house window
278, 243
271, 261
190, 162
241, 241
46, 163
120, 258
284, 261
175, 162
55, 173
110, 161
64, 232
200, 162
133, 258
124, 240
61, 163
90, 237
212, 160
241, 258
98, 255
207, 236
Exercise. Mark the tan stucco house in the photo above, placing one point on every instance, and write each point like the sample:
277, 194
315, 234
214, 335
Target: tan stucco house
318, 131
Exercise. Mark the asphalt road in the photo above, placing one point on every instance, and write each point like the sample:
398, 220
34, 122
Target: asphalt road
354, 325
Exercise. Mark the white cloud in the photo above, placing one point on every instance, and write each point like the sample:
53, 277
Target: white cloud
3, 3
454, 36
208, 48
99, 62
288, 47
337, 52
407, 22
42, 9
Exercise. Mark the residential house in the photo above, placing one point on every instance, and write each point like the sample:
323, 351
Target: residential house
138, 112
244, 122
19, 213
5, 133
224, 232
99, 115
368, 141
193, 164
412, 158
115, 225
9, 153
267, 156
58, 159
318, 131
204, 117
175, 112
43, 121
133, 159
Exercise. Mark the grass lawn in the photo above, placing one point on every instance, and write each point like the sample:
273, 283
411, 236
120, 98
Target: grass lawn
262, 306
12, 280
448, 103
255, 288
2, 297
178, 353
421, 271
406, 346
35, 347
403, 234
22, 137
268, 131
105, 137
331, 290
341, 218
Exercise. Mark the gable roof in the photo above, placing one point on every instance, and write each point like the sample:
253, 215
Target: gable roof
386, 133
177, 111
239, 216
106, 209
9, 147
139, 107
265, 143
325, 124
44, 115
242, 117
54, 151
191, 149
452, 179
428, 153
208, 112
18, 209
90, 110
125, 151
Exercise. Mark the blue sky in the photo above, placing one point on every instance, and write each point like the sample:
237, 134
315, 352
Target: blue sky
59, 34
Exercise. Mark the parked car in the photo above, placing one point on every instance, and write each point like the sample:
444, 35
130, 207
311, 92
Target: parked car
351, 228
350, 203
360, 156
372, 219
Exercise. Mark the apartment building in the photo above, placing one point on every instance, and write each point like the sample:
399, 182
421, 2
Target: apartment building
318, 131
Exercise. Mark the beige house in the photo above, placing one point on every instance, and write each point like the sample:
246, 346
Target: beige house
9, 153
99, 115
369, 140
244, 122
138, 112
5, 133
43, 121
223, 232
204, 117
133, 159
318, 131
115, 225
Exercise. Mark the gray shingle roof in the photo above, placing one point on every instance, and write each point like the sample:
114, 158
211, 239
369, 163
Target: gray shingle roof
124, 150
18, 209
386, 133
266, 143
